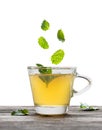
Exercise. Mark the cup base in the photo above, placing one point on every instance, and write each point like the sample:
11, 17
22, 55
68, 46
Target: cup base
51, 110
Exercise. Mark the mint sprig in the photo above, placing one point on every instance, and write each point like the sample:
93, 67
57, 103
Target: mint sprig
45, 25
20, 112
43, 42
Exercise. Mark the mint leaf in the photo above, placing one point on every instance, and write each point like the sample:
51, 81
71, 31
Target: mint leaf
83, 106
47, 78
60, 35
45, 25
43, 43
86, 107
20, 112
44, 70
45, 73
39, 65
57, 57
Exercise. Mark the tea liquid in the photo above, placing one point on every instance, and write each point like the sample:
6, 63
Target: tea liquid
51, 89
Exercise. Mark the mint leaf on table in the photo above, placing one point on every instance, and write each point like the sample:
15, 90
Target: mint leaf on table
20, 112
45, 25
57, 57
60, 35
86, 107
43, 43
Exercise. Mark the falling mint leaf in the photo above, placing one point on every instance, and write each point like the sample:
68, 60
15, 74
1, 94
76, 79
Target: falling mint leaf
60, 35
86, 107
43, 43
45, 25
20, 112
57, 57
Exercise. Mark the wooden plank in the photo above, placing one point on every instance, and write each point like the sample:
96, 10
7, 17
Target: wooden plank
75, 119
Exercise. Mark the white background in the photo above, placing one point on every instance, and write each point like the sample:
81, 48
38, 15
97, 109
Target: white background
20, 21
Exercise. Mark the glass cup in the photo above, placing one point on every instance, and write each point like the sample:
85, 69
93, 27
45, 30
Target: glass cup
52, 92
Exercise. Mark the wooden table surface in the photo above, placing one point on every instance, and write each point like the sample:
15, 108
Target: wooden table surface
75, 119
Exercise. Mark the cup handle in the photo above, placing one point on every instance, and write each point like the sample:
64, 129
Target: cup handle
85, 88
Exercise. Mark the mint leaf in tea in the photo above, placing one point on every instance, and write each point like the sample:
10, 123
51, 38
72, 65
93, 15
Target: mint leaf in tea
44, 70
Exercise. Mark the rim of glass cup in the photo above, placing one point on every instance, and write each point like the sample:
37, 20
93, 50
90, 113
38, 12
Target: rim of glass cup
52, 67
55, 69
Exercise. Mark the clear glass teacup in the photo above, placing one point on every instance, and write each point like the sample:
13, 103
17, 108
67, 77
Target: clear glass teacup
52, 92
